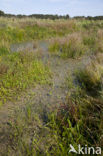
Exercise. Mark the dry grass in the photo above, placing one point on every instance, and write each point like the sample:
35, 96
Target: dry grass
70, 46
91, 77
99, 41
3, 68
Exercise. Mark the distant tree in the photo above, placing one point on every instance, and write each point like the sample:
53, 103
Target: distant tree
21, 16
79, 17
10, 15
2, 13
67, 16
48, 16
40, 16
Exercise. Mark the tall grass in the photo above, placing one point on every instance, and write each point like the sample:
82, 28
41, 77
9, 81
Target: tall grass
99, 41
91, 76
68, 47
17, 30
4, 47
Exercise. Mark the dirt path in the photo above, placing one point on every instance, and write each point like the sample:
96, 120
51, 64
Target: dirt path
51, 95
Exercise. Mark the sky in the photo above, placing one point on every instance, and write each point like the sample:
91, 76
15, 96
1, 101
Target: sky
60, 7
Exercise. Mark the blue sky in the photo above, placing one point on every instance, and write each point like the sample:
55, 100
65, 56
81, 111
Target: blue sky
71, 7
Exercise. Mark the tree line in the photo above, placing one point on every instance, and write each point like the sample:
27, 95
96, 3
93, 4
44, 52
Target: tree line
89, 17
40, 16
53, 17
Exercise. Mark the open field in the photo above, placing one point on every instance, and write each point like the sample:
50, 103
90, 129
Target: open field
51, 86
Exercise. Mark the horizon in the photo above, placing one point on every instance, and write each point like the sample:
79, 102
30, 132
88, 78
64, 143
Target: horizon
53, 7
50, 14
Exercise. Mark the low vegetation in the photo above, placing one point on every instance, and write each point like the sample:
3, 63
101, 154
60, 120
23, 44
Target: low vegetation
91, 76
77, 121
19, 71
39, 130
68, 47
77, 44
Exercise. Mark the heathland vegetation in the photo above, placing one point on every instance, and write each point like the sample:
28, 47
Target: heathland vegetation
66, 56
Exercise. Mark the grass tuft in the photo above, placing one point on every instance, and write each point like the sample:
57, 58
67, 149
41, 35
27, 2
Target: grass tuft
69, 47
91, 76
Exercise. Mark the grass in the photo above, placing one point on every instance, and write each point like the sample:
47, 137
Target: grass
91, 75
4, 47
68, 47
41, 130
19, 71
78, 121
99, 41
93, 39
14, 30
17, 30
76, 44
